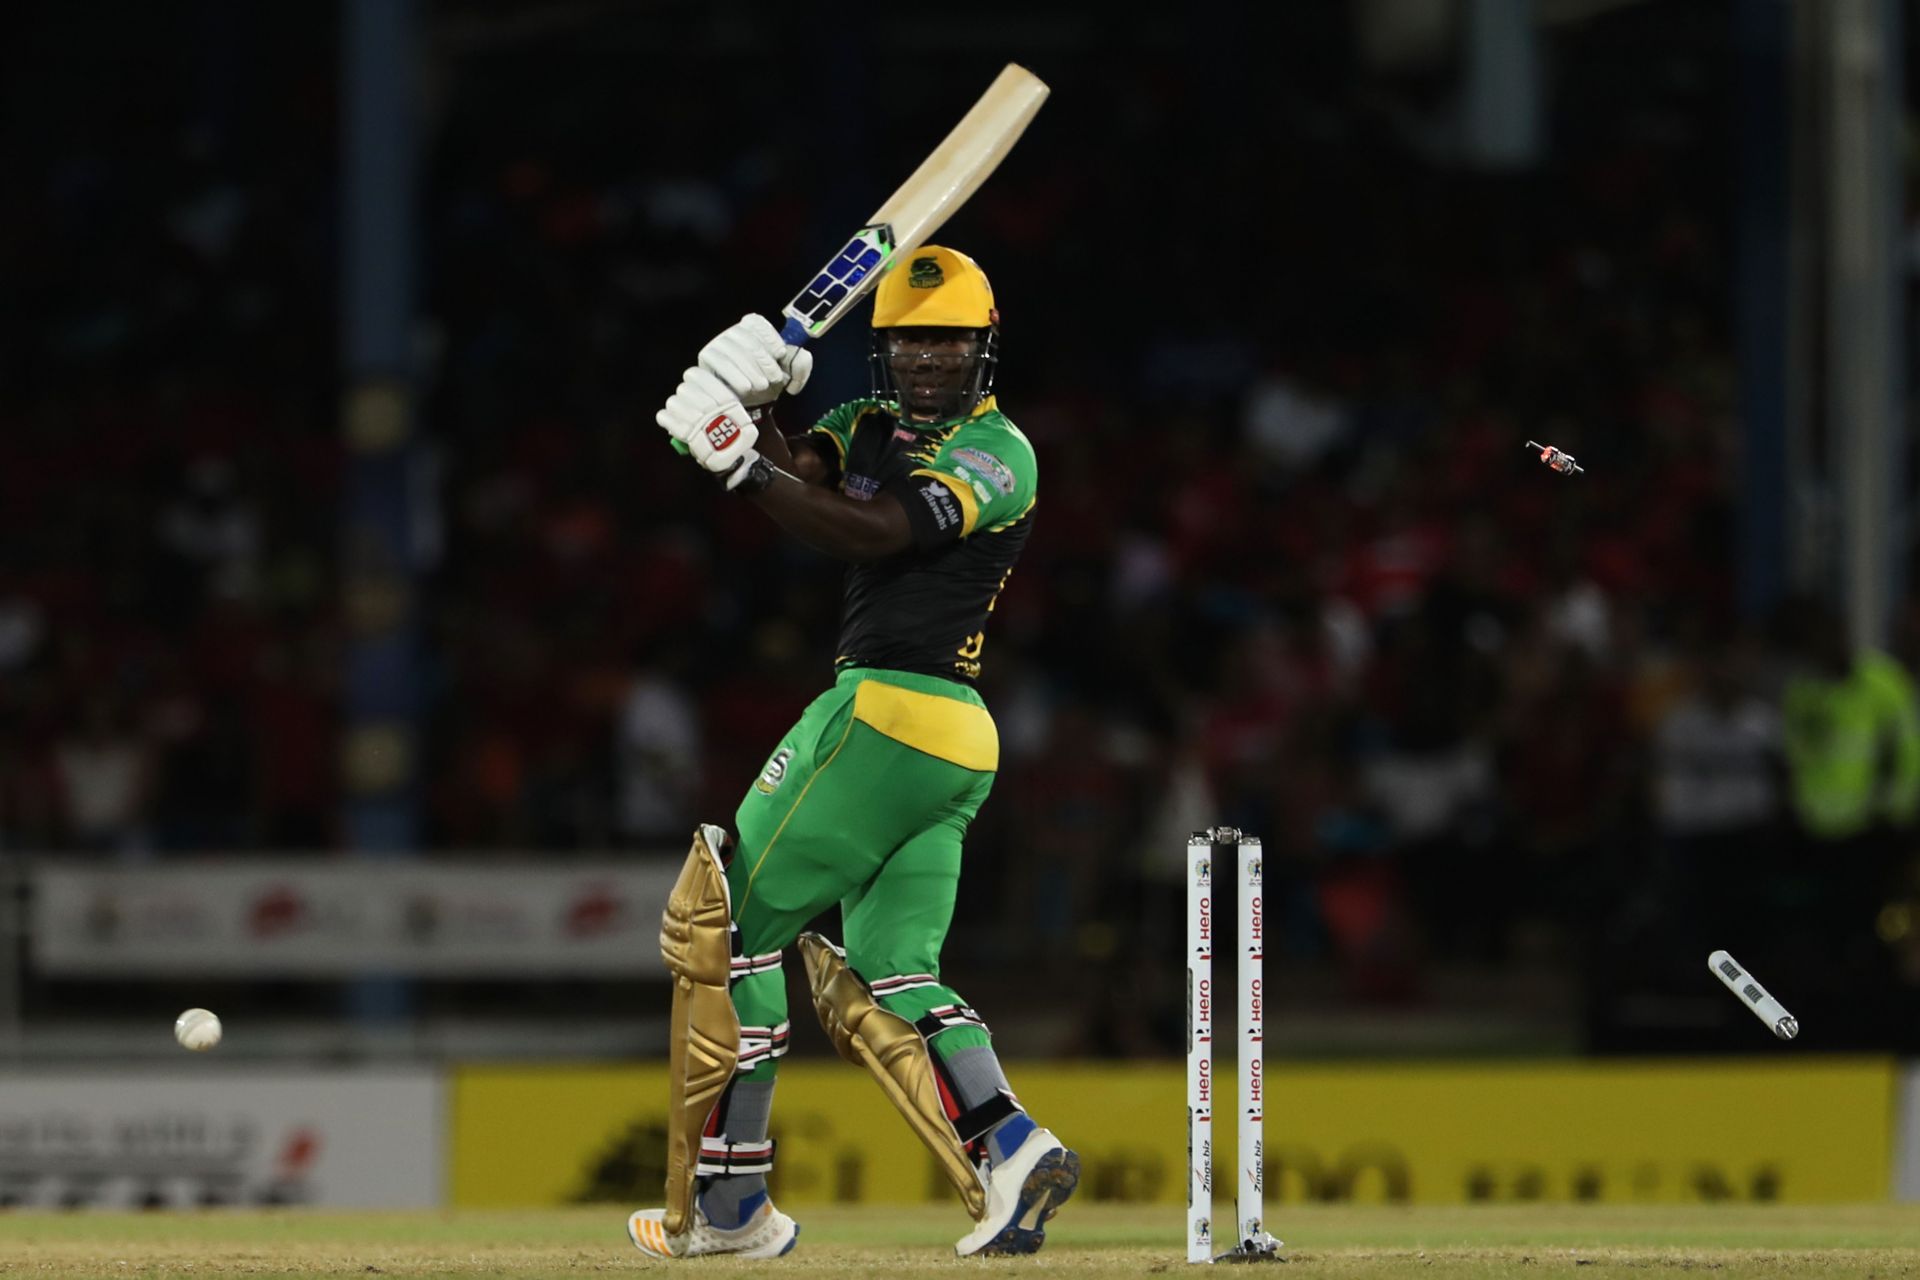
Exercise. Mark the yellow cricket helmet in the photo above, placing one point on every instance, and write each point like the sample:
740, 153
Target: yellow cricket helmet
935, 287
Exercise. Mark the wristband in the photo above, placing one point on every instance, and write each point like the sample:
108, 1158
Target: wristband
758, 477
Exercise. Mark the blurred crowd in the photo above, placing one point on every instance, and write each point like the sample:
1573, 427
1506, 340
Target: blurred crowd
1293, 571
167, 441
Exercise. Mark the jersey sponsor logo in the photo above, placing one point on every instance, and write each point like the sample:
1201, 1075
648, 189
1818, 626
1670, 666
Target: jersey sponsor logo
940, 500
901, 433
986, 466
980, 490
925, 273
722, 431
775, 773
860, 488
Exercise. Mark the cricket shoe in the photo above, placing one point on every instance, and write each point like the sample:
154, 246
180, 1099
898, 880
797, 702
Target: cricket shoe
767, 1234
1023, 1191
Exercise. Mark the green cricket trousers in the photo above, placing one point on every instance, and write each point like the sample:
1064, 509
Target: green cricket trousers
864, 803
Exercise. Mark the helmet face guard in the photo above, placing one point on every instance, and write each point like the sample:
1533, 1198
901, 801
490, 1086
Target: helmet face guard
933, 384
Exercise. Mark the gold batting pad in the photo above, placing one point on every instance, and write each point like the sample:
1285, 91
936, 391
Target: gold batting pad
704, 1030
896, 1055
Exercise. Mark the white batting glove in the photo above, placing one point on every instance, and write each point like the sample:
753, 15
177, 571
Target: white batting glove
704, 414
754, 363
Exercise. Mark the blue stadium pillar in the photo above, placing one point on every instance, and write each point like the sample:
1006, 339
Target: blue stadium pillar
1866, 307
1763, 40
377, 559
846, 107
1502, 111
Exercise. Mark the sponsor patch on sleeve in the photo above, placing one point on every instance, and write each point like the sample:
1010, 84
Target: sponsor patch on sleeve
944, 506
984, 467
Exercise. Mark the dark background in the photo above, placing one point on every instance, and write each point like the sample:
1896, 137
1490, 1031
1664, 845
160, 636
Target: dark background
1277, 332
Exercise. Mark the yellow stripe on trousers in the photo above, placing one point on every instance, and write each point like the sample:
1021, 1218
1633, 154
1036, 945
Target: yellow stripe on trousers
947, 729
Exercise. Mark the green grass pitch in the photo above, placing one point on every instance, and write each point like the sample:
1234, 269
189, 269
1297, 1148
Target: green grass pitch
1102, 1240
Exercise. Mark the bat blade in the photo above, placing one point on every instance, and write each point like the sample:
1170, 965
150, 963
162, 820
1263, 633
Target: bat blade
945, 180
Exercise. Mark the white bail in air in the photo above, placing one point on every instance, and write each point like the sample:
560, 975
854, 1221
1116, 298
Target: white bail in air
1744, 985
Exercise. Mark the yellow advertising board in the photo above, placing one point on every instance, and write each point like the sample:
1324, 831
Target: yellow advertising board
1814, 1130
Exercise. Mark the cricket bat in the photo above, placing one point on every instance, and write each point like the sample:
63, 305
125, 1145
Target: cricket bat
943, 182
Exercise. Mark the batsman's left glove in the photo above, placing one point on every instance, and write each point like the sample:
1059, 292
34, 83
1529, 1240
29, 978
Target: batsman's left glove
750, 358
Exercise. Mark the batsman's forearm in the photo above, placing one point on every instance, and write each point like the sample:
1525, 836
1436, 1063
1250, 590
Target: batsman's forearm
772, 442
794, 456
834, 524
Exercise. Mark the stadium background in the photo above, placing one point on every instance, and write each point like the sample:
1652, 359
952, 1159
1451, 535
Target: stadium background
336, 542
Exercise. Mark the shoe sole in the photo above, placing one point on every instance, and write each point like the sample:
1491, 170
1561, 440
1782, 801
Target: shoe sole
1052, 1182
658, 1249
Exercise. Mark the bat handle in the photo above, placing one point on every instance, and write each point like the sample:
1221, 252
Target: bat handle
794, 332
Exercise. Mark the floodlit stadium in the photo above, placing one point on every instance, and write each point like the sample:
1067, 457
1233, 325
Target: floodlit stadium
655, 635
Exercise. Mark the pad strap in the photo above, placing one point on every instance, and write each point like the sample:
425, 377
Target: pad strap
747, 966
946, 1017
762, 1044
722, 1159
884, 987
972, 1125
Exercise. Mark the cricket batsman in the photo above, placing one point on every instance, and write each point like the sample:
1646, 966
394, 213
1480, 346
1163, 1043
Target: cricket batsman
927, 491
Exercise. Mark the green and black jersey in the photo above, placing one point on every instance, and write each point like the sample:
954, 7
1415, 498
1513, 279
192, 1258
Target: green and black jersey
968, 485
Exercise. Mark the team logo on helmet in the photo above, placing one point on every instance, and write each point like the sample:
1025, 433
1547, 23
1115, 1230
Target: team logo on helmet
925, 273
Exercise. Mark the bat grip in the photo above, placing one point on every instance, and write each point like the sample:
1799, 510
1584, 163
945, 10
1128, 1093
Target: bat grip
794, 332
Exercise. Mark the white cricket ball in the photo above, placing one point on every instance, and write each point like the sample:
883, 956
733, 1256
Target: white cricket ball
197, 1029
